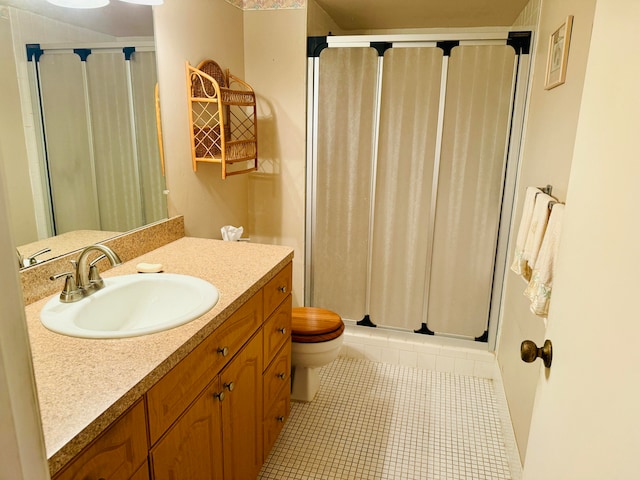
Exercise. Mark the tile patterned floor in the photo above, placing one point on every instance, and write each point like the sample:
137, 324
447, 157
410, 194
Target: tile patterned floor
388, 422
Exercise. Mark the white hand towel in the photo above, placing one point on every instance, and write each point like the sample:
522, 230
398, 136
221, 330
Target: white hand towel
539, 288
519, 263
539, 220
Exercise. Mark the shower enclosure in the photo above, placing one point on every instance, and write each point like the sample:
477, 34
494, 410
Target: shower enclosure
412, 156
95, 111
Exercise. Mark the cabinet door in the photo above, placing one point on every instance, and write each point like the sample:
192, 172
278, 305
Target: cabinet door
142, 473
116, 454
192, 448
180, 386
242, 413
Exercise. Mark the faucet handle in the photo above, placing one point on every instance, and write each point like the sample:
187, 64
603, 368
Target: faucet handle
96, 260
94, 275
31, 259
70, 292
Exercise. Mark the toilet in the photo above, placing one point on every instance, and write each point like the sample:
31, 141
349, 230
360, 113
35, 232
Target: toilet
316, 335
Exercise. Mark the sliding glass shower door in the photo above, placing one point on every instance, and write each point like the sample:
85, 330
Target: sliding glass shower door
477, 118
408, 158
344, 175
404, 190
100, 146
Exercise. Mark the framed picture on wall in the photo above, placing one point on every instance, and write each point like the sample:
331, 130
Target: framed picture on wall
558, 54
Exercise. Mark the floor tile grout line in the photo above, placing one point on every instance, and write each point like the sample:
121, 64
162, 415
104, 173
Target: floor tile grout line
455, 433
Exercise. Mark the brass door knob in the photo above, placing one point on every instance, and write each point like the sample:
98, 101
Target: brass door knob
529, 351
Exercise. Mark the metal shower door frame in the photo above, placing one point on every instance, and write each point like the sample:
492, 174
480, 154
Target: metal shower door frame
512, 152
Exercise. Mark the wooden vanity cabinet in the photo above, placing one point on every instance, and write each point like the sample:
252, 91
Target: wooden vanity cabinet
217, 413
142, 473
220, 434
277, 397
276, 290
242, 442
192, 449
277, 371
170, 397
228, 431
118, 454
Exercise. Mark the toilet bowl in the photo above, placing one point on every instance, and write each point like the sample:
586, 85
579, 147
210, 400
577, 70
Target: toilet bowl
316, 335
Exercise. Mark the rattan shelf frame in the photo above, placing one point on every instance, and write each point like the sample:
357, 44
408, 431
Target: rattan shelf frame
223, 119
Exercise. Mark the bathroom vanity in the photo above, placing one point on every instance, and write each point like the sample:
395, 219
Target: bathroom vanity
203, 400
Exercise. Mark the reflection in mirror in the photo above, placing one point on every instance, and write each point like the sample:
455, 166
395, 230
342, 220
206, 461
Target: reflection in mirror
78, 124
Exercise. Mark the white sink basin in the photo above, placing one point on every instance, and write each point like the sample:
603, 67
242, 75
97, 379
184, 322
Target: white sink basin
132, 305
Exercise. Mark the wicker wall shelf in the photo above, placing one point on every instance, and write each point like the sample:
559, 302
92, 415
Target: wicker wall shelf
222, 111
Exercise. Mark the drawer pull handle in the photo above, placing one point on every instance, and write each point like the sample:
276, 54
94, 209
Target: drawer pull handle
219, 396
224, 351
229, 386
281, 375
283, 330
282, 289
280, 419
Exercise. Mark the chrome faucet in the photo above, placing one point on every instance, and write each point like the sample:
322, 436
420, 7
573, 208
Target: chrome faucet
87, 280
82, 270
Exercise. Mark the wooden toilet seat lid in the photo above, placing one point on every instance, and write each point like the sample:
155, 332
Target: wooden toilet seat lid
313, 325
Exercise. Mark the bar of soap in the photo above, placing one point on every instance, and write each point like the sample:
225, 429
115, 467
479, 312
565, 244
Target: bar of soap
149, 267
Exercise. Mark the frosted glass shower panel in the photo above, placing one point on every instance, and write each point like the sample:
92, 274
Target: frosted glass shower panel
116, 173
347, 86
69, 148
407, 145
476, 128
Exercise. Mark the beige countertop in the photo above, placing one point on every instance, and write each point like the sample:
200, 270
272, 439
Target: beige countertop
84, 384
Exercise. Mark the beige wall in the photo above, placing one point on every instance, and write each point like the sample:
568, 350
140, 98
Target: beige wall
12, 142
529, 15
550, 132
275, 65
193, 31
319, 23
268, 49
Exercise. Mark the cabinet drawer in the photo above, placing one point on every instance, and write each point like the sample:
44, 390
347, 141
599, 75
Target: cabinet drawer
276, 331
275, 419
116, 454
180, 386
277, 376
276, 290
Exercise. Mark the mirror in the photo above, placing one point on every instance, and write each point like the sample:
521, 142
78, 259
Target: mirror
78, 133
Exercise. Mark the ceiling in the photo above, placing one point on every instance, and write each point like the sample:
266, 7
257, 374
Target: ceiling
122, 19
397, 14
119, 19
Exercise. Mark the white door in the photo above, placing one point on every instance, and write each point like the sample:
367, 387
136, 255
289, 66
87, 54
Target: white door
586, 418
